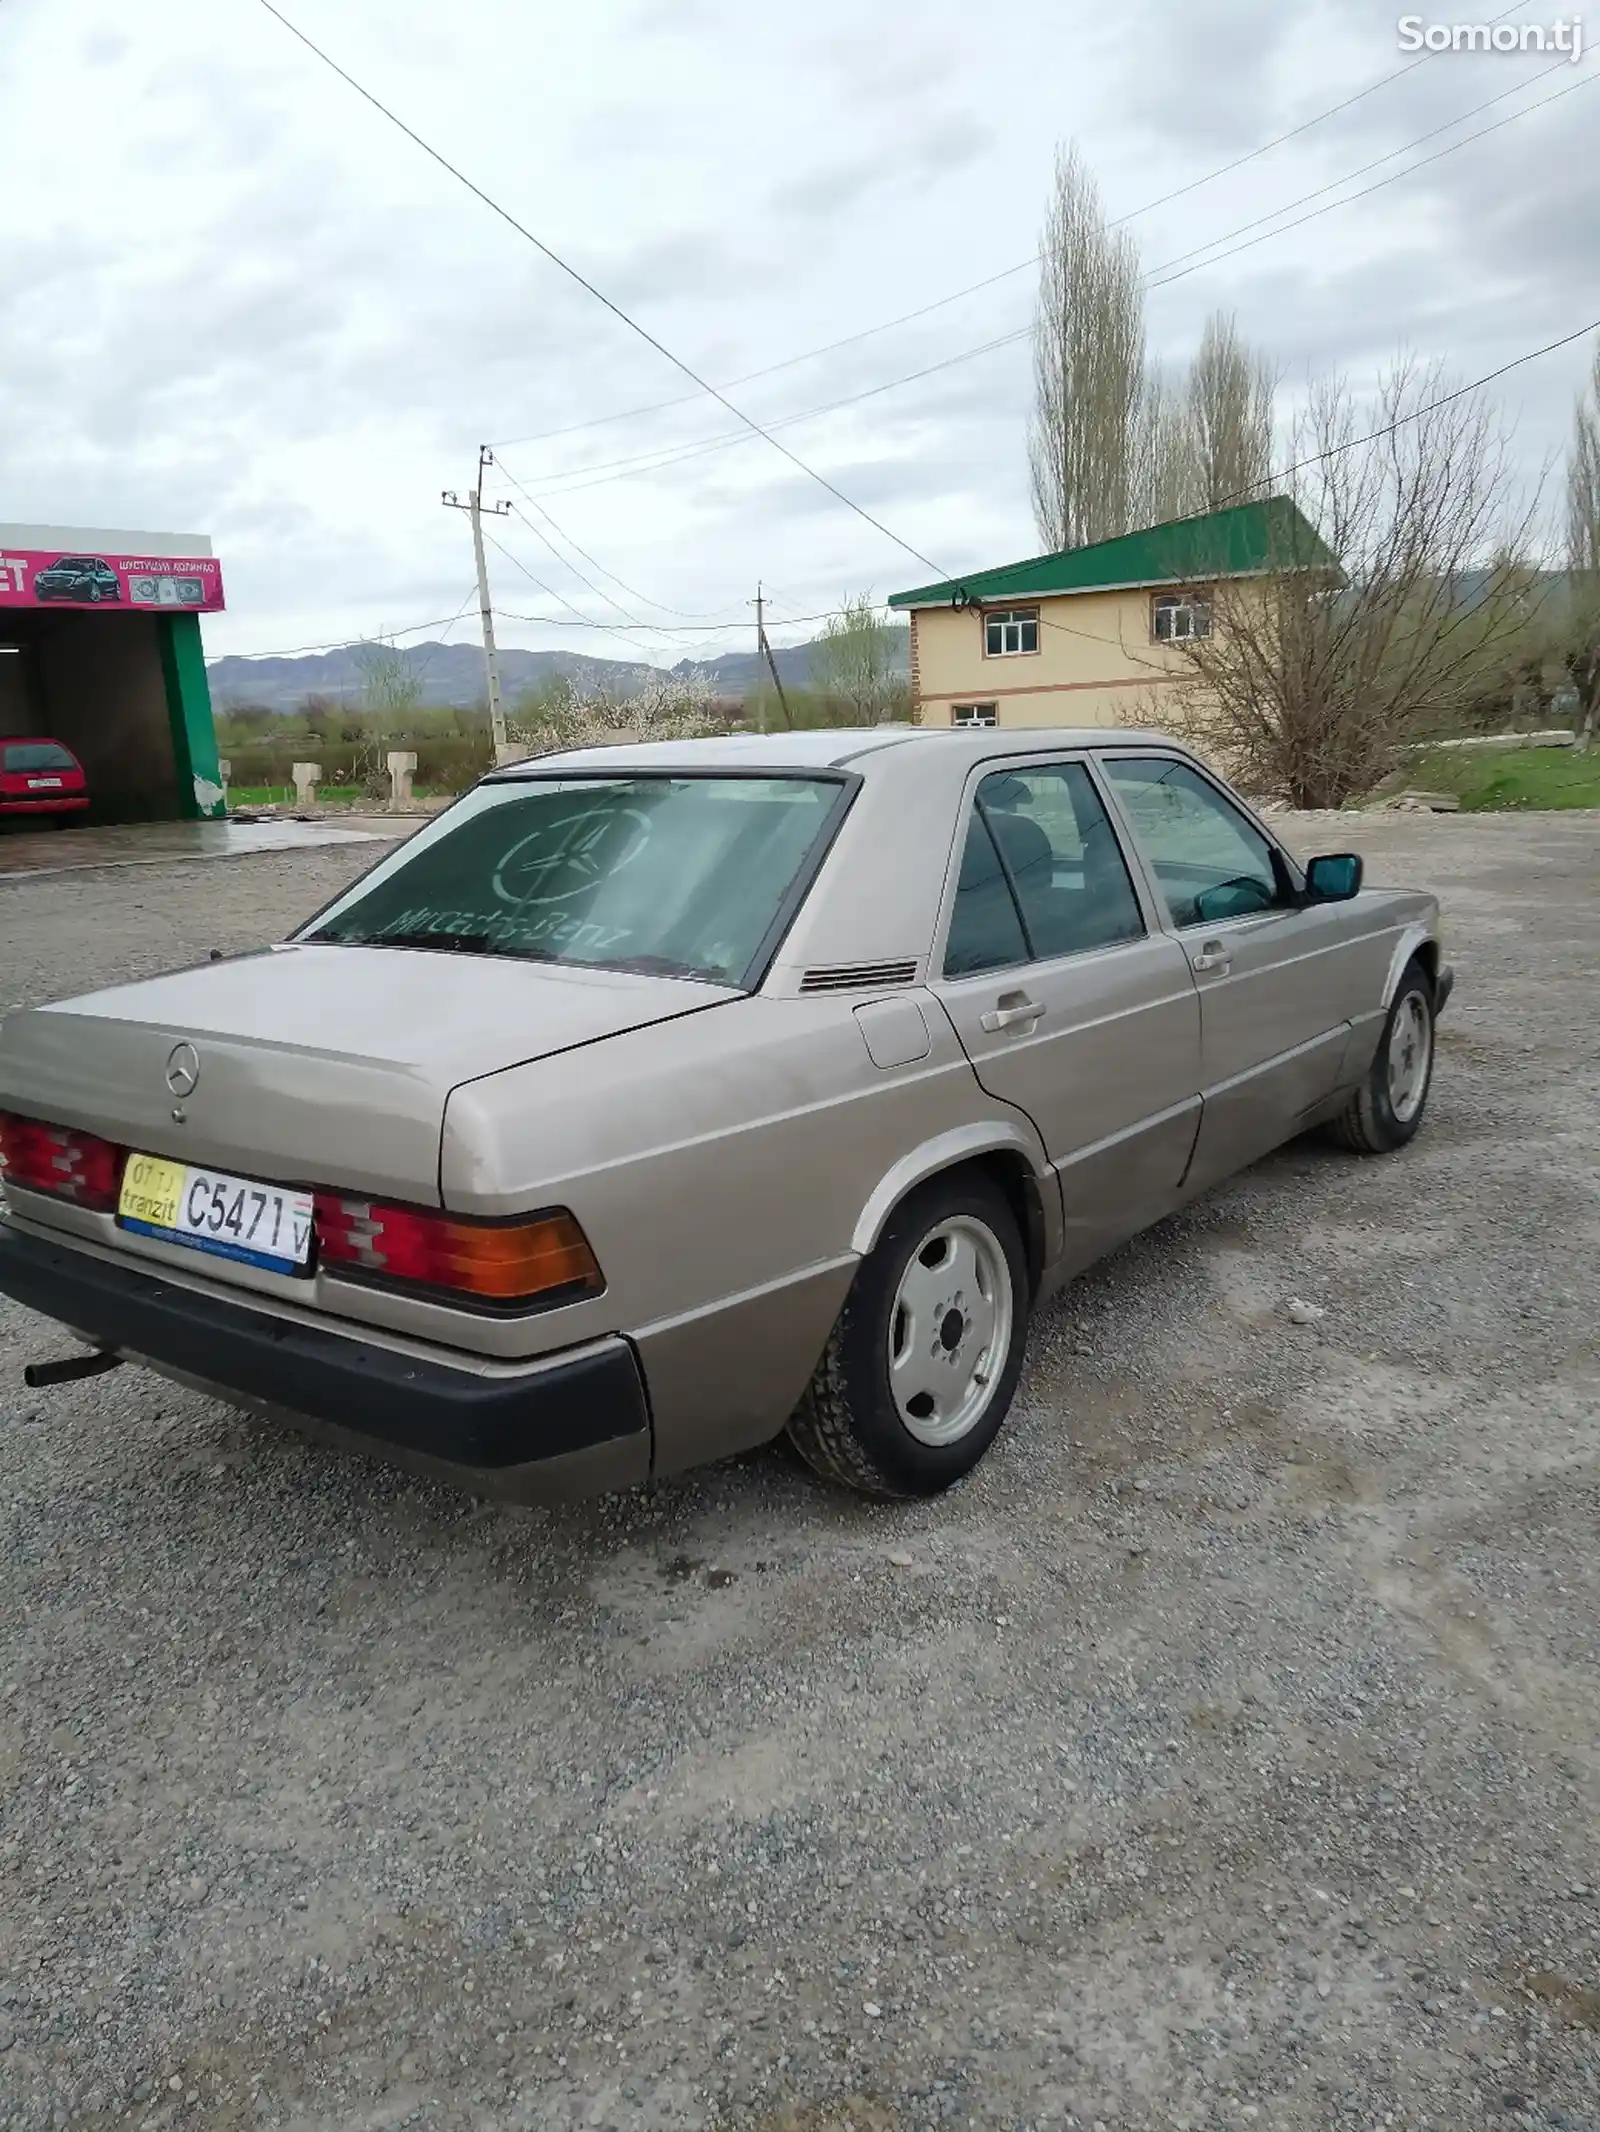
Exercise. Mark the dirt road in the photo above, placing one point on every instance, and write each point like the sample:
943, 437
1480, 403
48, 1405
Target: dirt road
1227, 1753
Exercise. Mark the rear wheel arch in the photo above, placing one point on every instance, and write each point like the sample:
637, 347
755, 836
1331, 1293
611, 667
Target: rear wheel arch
1014, 1160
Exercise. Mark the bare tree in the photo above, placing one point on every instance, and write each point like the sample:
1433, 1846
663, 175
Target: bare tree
390, 684
855, 662
1229, 429
1313, 678
1089, 405
1580, 633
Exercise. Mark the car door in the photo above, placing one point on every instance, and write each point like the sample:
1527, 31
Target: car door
1274, 1018
1069, 998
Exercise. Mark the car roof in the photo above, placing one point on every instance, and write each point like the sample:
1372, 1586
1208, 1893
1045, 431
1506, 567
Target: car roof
860, 748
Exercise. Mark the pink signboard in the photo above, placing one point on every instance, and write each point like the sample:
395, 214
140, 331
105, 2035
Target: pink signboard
31, 577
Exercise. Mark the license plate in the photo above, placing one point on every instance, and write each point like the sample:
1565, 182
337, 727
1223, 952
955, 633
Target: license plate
43, 784
230, 1217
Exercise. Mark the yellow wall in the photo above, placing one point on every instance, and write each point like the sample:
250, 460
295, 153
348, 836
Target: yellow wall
1096, 664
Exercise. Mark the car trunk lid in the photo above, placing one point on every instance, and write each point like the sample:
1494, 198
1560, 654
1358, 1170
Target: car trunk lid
316, 1065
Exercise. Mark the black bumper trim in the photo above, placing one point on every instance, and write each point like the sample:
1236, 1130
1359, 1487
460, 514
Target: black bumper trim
451, 1414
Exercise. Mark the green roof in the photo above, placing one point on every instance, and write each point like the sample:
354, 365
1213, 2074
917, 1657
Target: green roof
1244, 541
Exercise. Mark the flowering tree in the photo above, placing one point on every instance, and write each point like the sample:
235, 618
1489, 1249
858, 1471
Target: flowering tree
597, 713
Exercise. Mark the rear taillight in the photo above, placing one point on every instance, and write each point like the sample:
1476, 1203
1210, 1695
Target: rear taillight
55, 1159
544, 1258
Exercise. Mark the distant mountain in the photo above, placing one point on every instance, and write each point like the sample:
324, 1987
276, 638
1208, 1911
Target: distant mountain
453, 673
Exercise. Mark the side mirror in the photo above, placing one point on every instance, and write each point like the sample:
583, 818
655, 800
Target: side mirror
1333, 878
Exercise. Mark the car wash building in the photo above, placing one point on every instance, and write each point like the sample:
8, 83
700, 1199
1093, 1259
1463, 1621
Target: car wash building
100, 649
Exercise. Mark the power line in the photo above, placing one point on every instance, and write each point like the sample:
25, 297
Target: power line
1587, 81
1349, 444
793, 621
559, 621
973, 288
749, 421
631, 590
539, 534
550, 593
411, 629
670, 455
663, 456
616, 310
1388, 429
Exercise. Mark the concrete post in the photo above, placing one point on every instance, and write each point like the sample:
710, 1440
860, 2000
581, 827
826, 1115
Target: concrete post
402, 768
305, 775
224, 771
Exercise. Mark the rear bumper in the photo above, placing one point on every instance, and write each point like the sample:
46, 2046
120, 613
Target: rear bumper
46, 803
567, 1425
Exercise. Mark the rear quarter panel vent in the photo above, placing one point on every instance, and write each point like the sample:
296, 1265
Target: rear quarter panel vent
857, 976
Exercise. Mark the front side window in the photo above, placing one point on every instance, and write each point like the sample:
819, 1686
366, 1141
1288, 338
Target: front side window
974, 714
1010, 630
1212, 863
672, 876
19, 755
1042, 873
1180, 617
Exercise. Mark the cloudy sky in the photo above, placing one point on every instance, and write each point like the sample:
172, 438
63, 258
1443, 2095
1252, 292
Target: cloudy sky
238, 301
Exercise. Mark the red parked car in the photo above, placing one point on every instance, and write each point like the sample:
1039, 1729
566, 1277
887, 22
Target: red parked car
41, 777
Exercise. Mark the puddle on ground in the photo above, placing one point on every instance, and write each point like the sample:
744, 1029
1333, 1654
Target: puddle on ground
166, 843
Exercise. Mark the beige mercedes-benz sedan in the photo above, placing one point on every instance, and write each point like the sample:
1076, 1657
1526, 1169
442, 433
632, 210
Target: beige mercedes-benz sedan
652, 1101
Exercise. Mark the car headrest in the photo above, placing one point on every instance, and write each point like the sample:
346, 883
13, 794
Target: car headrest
1022, 842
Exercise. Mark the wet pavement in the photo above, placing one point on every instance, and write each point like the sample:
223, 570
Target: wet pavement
55, 851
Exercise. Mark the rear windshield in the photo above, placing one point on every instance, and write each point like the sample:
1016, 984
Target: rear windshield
677, 876
37, 755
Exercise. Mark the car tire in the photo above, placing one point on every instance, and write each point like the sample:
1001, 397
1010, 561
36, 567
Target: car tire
1386, 1110
922, 1364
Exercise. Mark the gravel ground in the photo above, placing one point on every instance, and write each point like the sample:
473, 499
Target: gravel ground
1227, 1752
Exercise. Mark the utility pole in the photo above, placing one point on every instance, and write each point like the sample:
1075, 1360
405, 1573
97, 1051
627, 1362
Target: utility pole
474, 508
761, 638
764, 651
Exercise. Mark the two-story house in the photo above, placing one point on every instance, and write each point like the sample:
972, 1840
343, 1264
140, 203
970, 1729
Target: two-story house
1094, 636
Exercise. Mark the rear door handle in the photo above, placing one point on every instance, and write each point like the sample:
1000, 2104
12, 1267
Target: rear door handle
1211, 955
1012, 1017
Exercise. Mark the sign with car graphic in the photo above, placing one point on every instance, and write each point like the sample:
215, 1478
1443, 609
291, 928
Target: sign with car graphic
38, 578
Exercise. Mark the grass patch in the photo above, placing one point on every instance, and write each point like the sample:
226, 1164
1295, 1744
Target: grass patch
330, 795
283, 795
1489, 779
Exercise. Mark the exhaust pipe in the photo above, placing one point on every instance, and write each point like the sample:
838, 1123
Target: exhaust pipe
71, 1367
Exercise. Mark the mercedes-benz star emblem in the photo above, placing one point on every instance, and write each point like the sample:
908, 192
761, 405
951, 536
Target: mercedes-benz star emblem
183, 1069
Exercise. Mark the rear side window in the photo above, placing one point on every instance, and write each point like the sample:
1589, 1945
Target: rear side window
20, 755
1042, 874
672, 876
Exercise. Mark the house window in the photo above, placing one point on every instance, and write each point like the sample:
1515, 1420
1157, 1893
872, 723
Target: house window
1179, 617
1009, 630
973, 714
